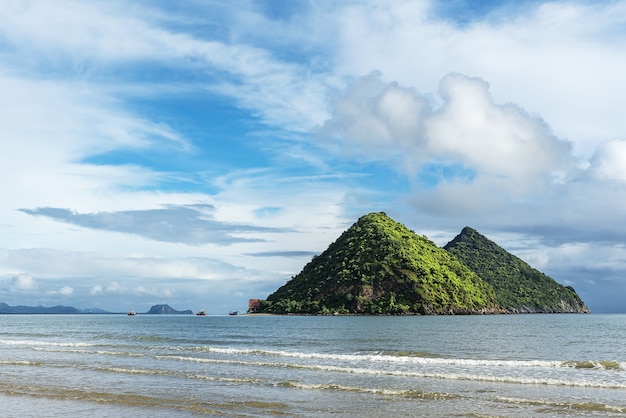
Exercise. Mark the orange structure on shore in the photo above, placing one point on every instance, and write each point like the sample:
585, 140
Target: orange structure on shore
254, 305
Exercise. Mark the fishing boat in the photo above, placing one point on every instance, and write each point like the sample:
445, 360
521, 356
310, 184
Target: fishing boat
131, 313
233, 313
201, 312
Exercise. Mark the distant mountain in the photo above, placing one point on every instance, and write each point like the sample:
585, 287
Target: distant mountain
378, 266
94, 311
6, 309
167, 310
518, 286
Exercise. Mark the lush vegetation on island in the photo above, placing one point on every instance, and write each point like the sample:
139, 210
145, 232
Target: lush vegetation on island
518, 286
378, 266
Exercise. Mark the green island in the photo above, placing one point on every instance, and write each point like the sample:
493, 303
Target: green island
380, 267
519, 287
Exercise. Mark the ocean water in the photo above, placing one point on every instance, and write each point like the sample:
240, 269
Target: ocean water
242, 366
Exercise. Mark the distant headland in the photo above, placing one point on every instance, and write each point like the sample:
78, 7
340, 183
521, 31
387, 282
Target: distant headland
60, 309
380, 267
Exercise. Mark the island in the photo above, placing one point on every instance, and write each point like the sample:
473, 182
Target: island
380, 267
167, 310
519, 287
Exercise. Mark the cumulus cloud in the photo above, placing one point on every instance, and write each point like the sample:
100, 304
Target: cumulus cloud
64, 291
500, 140
560, 59
499, 143
376, 120
23, 282
96, 290
609, 161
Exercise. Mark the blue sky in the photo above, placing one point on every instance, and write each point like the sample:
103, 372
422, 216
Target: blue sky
199, 153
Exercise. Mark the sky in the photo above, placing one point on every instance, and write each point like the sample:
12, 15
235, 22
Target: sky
200, 152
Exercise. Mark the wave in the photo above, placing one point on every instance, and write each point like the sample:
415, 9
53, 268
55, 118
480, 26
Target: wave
599, 364
383, 357
524, 380
409, 393
20, 363
39, 343
420, 358
152, 372
396, 357
100, 352
588, 407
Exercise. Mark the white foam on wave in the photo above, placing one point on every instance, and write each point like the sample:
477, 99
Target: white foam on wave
20, 363
83, 351
478, 377
196, 376
387, 358
374, 391
40, 343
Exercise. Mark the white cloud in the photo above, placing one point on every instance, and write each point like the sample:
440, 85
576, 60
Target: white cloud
559, 59
96, 290
113, 287
49, 127
23, 282
494, 139
378, 121
64, 291
52, 123
609, 161
501, 143
98, 36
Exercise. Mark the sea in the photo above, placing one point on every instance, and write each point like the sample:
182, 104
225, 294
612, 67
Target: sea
541, 365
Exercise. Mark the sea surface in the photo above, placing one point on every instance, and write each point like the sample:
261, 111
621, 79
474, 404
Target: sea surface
96, 366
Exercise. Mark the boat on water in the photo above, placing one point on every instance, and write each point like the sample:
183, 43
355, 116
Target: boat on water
233, 313
201, 312
131, 313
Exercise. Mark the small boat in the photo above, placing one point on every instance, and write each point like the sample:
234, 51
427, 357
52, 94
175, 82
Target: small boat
131, 313
201, 312
233, 313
